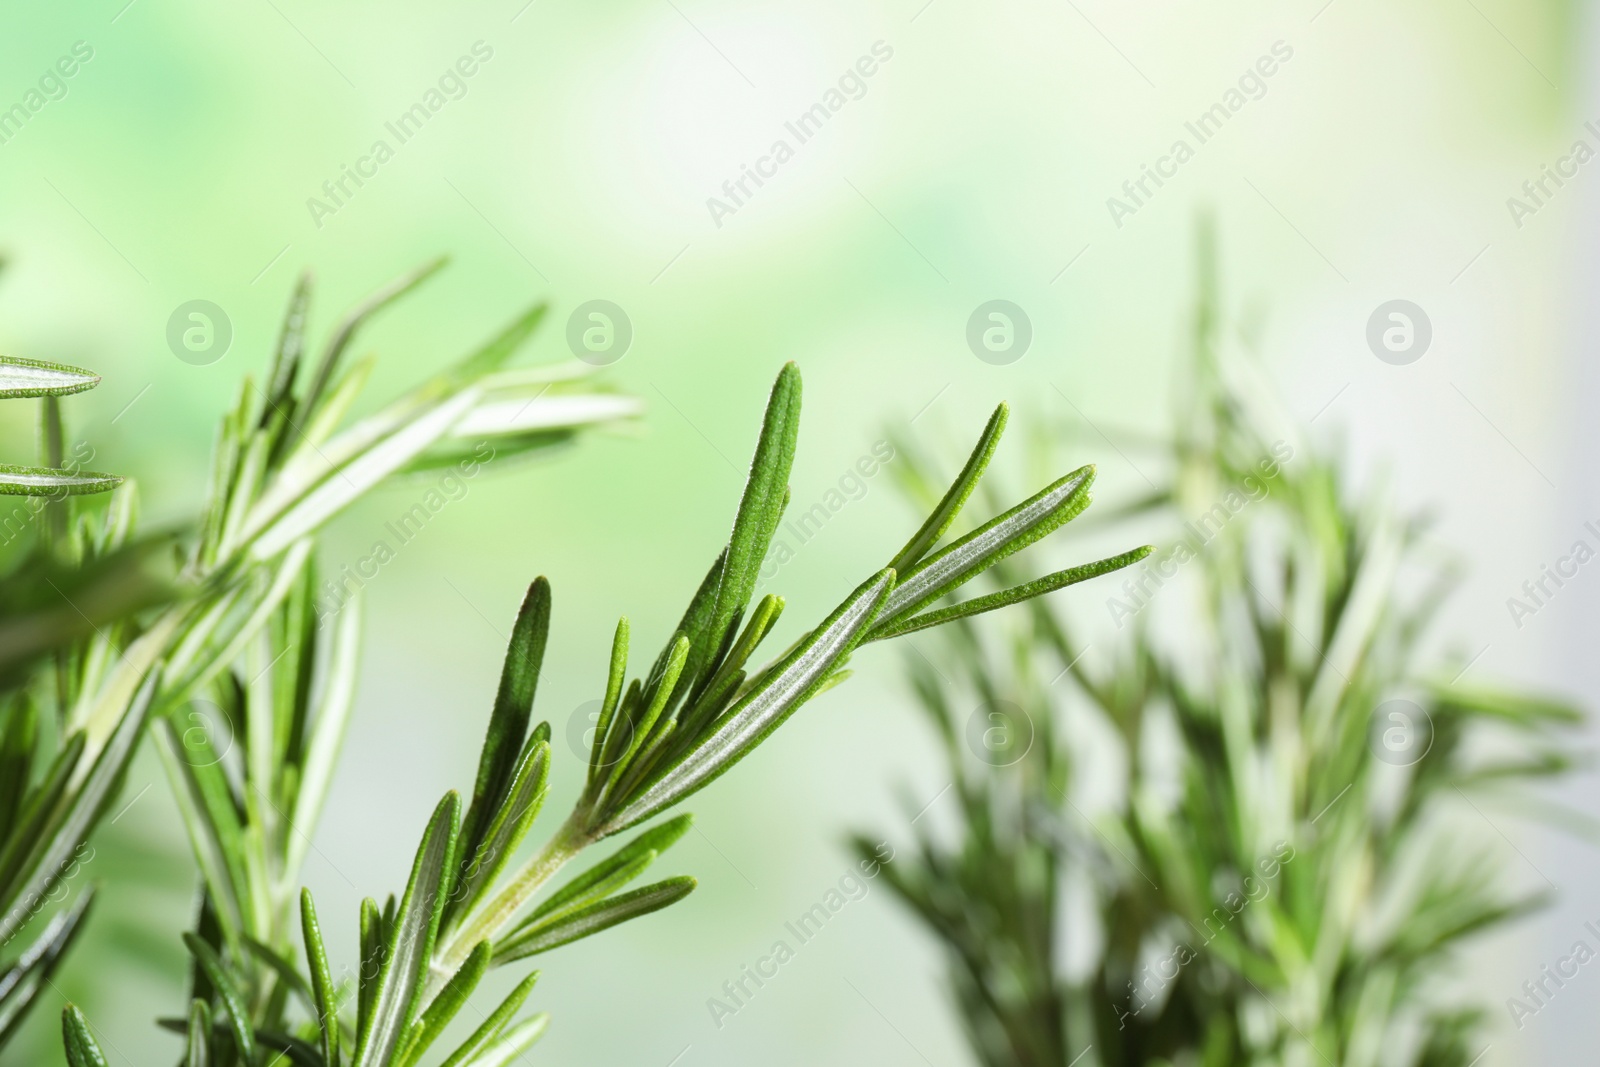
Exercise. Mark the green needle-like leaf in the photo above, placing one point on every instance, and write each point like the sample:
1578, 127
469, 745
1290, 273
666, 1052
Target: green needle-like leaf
485, 1035
759, 510
69, 827
82, 1049
1005, 598
451, 999
600, 879
21, 983
775, 697
345, 332
508, 724
197, 1043
955, 498
45, 481
232, 1001
510, 825
286, 971
321, 980
510, 1046
582, 922
410, 941
990, 543
616, 676
35, 377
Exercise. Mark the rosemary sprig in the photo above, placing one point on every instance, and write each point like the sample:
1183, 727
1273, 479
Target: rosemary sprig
698, 710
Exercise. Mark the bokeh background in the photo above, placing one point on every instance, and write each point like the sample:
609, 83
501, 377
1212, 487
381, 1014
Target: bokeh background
975, 165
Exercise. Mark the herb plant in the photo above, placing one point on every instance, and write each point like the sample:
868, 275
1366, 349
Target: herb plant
699, 708
97, 639
1292, 857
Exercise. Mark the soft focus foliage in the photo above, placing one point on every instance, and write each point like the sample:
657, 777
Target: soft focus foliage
1294, 852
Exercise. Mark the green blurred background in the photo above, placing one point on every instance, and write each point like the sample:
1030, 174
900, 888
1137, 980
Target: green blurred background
976, 165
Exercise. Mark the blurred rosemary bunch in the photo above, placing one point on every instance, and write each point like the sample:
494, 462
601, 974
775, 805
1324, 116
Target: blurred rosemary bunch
104, 630
1291, 850
699, 708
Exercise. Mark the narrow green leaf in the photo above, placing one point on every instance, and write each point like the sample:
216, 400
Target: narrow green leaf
294, 1051
45, 481
640, 730
508, 723
779, 693
197, 1043
583, 922
510, 825
372, 947
271, 531
651, 842
410, 941
286, 971
1005, 598
759, 509
210, 815
345, 332
23, 836
523, 423
696, 621
18, 742
326, 738
996, 539
955, 498
510, 1046
499, 348
485, 1034
615, 876
451, 999
755, 631
326, 992
81, 1047
232, 1001
291, 346
69, 827
21, 983
615, 676
35, 377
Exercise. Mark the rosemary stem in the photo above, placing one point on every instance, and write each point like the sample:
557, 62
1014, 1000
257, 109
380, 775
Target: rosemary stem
491, 918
